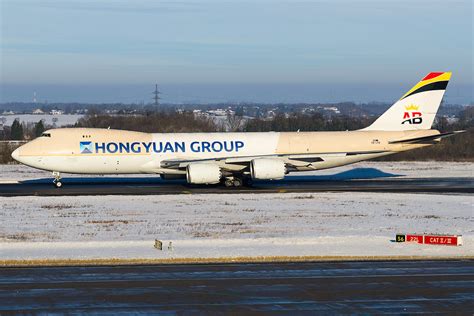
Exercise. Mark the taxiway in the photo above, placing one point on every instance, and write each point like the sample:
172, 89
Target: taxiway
151, 186
317, 287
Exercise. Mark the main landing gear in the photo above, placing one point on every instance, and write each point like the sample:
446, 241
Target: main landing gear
57, 179
233, 182
237, 182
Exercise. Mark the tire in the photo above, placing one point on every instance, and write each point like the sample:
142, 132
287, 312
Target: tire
237, 182
228, 183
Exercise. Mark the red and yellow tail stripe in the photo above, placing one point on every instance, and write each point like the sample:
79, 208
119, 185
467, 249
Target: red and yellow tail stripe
432, 81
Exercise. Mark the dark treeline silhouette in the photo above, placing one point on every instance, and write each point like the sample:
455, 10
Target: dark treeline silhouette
17, 132
456, 148
22, 131
314, 122
158, 122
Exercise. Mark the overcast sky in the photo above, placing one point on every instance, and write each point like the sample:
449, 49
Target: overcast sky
52, 44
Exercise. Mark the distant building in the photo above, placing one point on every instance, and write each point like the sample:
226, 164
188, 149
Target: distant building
220, 112
271, 114
56, 112
452, 119
8, 113
38, 111
333, 109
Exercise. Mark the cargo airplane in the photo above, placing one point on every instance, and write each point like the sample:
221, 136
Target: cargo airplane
238, 158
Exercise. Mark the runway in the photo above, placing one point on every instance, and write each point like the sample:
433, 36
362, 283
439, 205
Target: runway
156, 186
406, 287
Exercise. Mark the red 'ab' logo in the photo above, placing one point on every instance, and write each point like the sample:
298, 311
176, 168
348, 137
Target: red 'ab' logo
411, 115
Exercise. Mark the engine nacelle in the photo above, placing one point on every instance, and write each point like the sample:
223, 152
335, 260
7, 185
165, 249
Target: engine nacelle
203, 173
267, 169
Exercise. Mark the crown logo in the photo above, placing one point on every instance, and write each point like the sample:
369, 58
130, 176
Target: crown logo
411, 107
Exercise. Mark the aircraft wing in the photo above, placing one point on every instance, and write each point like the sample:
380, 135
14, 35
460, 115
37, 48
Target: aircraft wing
182, 163
233, 163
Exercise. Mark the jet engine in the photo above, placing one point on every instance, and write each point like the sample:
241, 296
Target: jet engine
267, 169
203, 173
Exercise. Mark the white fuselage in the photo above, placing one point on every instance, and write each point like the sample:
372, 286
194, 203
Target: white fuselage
102, 151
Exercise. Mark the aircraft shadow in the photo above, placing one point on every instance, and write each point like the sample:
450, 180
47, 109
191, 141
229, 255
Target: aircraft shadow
353, 174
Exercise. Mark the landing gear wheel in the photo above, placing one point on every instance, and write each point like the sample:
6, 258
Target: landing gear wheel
237, 182
57, 179
229, 183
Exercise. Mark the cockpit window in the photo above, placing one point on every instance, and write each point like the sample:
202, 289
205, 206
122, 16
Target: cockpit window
46, 135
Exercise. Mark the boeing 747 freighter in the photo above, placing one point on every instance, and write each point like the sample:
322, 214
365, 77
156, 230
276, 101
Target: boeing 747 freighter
238, 158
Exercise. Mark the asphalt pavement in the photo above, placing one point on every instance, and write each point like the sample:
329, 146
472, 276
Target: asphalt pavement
154, 186
395, 287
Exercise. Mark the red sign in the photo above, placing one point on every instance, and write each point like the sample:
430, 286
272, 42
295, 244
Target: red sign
448, 240
414, 238
441, 240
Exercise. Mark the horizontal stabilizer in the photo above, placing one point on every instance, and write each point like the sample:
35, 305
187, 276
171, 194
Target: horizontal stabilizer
424, 138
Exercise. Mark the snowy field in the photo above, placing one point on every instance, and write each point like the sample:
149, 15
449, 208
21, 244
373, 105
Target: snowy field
49, 119
215, 225
407, 169
347, 224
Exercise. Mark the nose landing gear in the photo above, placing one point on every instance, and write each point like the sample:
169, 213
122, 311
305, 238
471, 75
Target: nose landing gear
57, 179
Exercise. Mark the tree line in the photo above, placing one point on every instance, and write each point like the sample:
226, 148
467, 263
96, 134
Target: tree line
22, 131
156, 122
457, 148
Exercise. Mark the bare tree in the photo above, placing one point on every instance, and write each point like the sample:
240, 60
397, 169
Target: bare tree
234, 122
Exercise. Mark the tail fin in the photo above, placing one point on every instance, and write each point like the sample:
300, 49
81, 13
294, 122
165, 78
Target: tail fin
417, 108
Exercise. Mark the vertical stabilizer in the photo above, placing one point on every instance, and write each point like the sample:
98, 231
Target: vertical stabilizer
417, 109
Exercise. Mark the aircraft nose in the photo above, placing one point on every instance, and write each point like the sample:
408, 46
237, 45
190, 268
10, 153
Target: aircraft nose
16, 154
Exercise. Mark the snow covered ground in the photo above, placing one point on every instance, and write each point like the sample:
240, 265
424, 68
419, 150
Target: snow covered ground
369, 169
231, 225
331, 247
347, 224
49, 119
